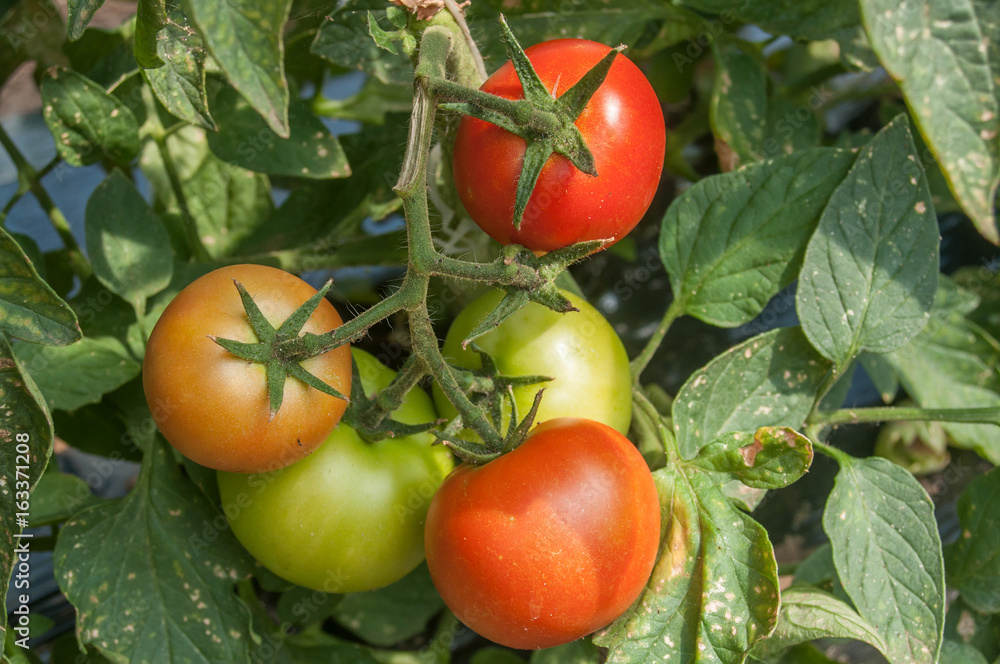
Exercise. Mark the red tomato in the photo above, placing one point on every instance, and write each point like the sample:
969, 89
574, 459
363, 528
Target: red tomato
623, 127
213, 406
549, 542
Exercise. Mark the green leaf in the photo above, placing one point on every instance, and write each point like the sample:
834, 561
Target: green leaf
955, 652
581, 651
245, 37
180, 83
371, 104
80, 13
739, 102
126, 241
145, 587
978, 629
888, 555
29, 308
25, 447
769, 380
973, 561
954, 363
809, 19
944, 56
310, 151
57, 497
227, 202
809, 613
321, 214
73, 376
772, 458
870, 271
375, 616
151, 16
88, 124
344, 39
882, 375
985, 284
99, 429
714, 591
645, 26
733, 241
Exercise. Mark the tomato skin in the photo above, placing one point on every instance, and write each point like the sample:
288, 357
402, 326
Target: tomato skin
212, 406
622, 125
350, 516
579, 350
549, 542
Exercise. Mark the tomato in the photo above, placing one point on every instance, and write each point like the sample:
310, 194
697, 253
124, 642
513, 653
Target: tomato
579, 350
623, 127
549, 542
350, 516
212, 406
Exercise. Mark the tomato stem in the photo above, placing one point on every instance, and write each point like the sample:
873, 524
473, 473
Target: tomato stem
31, 180
642, 360
895, 413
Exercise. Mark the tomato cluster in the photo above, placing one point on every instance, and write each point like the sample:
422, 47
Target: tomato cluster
540, 546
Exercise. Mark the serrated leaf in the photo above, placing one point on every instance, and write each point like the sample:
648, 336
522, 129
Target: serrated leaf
310, 151
739, 102
808, 614
77, 375
375, 616
245, 37
733, 241
771, 458
954, 363
939, 51
151, 16
29, 308
870, 270
180, 83
344, 39
126, 240
79, 14
145, 586
88, 124
888, 555
769, 380
973, 561
25, 447
714, 591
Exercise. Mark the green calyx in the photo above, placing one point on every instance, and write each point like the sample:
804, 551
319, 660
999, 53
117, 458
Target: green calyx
547, 124
273, 347
500, 388
369, 416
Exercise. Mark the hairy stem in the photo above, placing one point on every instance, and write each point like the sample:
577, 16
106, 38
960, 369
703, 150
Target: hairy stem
859, 415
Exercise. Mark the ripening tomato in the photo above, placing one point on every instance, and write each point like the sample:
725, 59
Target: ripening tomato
549, 542
350, 516
212, 406
579, 350
622, 125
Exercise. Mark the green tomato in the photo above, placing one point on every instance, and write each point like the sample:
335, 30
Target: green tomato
350, 516
579, 350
